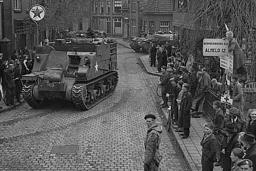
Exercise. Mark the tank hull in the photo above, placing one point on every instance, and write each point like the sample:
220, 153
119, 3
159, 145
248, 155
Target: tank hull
85, 76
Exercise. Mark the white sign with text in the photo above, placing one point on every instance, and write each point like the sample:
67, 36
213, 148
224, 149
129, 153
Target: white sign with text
215, 47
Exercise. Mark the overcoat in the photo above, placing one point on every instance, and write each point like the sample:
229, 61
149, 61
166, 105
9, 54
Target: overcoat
251, 154
185, 106
251, 127
209, 149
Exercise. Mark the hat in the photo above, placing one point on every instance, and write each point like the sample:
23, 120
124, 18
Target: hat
238, 152
164, 67
234, 111
245, 162
150, 116
186, 85
169, 69
247, 137
209, 125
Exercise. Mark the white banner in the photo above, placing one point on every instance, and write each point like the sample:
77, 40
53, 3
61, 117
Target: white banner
215, 47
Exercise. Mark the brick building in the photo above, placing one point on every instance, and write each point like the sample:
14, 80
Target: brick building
158, 16
17, 26
116, 17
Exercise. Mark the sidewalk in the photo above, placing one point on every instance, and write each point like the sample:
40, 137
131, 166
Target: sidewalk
191, 146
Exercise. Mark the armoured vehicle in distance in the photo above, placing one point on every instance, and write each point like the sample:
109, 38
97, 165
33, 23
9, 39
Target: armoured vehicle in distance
78, 71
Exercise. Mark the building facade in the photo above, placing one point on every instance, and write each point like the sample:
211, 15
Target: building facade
158, 16
116, 17
1, 20
18, 27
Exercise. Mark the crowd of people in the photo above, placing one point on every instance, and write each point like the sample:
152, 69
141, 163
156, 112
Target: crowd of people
229, 138
11, 71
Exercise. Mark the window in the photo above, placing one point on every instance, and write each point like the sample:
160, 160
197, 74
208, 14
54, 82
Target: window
108, 7
151, 26
95, 7
117, 6
101, 7
156, 5
117, 22
182, 4
80, 26
164, 26
17, 5
174, 5
133, 6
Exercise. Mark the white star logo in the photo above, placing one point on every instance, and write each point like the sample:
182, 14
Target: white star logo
96, 66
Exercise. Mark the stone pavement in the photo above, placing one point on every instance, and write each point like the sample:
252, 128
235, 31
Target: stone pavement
109, 136
190, 147
7, 108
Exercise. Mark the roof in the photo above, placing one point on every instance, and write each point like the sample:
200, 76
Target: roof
158, 6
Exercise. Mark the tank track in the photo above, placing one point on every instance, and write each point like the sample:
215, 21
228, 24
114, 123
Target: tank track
83, 99
27, 91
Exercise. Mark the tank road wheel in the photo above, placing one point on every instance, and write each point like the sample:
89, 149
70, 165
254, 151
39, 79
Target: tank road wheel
80, 97
29, 97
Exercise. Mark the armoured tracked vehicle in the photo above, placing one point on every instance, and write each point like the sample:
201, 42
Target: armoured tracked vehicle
79, 71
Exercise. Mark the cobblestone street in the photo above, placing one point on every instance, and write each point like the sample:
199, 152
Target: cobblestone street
109, 136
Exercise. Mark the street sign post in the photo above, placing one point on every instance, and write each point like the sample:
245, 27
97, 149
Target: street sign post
37, 13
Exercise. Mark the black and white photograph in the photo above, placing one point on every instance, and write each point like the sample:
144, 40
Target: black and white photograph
127, 85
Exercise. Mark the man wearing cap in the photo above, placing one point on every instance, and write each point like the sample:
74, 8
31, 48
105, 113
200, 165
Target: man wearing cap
173, 92
245, 165
10, 84
159, 57
185, 105
233, 125
152, 54
204, 83
152, 156
249, 142
164, 80
210, 148
236, 156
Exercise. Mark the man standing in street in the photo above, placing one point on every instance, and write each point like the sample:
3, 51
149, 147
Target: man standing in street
152, 156
210, 148
204, 83
164, 80
152, 55
185, 105
159, 57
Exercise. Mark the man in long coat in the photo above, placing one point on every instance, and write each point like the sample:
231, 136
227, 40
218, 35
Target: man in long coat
9, 83
210, 148
152, 156
164, 80
185, 106
173, 92
159, 57
152, 55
